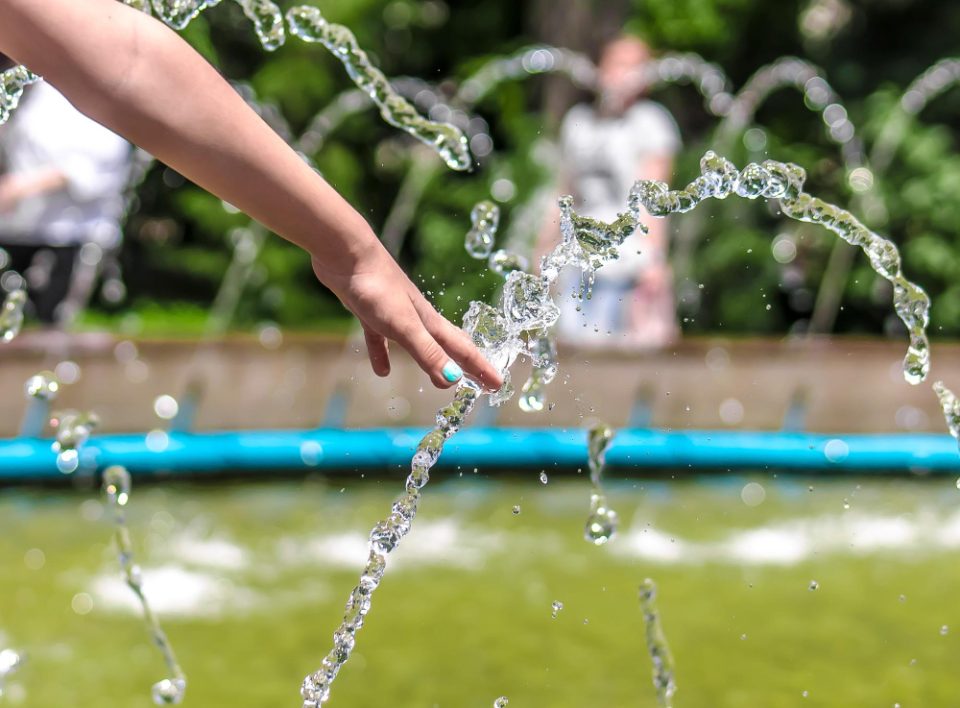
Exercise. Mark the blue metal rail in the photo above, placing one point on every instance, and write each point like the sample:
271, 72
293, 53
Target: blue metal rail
506, 448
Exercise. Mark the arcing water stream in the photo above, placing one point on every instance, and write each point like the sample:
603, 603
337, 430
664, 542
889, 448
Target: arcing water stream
660, 656
519, 325
116, 489
602, 522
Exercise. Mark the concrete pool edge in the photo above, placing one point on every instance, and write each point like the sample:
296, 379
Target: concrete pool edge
504, 448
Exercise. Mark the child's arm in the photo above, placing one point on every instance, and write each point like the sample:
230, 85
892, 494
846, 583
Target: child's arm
138, 78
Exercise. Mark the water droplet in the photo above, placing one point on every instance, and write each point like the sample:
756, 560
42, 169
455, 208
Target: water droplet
73, 431
944, 630
501, 702
307, 23
311, 453
543, 478
814, 585
601, 526
43, 386
166, 407
556, 607
11, 312
753, 494
169, 692
485, 217
68, 461
516, 509
660, 655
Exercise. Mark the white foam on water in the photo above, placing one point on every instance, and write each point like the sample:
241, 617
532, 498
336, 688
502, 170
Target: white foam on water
652, 544
218, 553
174, 591
798, 540
441, 542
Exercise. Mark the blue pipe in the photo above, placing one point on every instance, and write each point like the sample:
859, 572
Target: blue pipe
509, 448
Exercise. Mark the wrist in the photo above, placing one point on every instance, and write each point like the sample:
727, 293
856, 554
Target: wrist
338, 258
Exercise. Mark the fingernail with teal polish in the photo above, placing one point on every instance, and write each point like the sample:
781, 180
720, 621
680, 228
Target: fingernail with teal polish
452, 372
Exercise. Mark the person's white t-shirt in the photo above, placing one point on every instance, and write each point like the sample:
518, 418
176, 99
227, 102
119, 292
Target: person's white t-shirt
601, 156
47, 131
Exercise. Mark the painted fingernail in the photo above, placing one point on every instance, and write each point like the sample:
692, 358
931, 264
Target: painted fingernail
452, 372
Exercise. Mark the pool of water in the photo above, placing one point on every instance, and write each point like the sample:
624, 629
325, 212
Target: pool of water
773, 593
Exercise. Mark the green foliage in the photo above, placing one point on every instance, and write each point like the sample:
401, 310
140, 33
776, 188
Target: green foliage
733, 278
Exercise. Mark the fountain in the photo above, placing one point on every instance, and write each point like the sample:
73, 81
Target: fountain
602, 522
660, 656
116, 489
518, 326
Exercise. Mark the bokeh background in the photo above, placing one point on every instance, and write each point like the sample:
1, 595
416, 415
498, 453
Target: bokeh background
177, 239
776, 590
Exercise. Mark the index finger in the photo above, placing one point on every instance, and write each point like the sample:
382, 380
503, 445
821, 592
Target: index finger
462, 350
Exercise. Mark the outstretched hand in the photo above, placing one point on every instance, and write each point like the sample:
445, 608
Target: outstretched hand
138, 78
391, 308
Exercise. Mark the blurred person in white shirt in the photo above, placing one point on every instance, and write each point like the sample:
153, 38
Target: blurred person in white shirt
62, 181
605, 147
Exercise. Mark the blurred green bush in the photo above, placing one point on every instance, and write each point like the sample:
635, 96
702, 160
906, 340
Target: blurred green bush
178, 238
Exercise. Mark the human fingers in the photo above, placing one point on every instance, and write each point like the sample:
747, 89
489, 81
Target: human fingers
430, 356
378, 351
462, 350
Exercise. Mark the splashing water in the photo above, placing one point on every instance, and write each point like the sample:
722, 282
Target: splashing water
179, 13
503, 262
352, 101
450, 143
12, 83
485, 217
602, 522
307, 23
543, 351
526, 308
661, 658
720, 179
951, 408
116, 489
43, 386
73, 431
11, 314
141, 5
267, 22
10, 661
384, 539
501, 334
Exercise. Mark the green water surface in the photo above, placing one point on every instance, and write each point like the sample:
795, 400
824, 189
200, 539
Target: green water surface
251, 579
